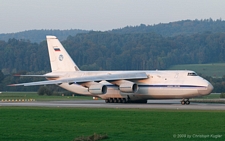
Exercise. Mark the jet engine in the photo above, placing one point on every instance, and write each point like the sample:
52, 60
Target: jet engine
97, 89
128, 87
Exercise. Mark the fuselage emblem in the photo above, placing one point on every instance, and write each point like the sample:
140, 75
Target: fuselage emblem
60, 57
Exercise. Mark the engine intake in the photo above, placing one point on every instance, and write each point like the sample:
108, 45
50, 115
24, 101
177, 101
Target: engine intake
128, 87
97, 89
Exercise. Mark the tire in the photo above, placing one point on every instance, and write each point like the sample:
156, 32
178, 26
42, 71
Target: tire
187, 102
183, 102
111, 100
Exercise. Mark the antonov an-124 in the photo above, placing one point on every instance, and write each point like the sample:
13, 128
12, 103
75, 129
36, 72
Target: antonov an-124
120, 86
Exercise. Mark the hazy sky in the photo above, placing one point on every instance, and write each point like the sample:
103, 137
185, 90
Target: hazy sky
20, 15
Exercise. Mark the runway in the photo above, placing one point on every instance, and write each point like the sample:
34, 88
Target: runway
152, 104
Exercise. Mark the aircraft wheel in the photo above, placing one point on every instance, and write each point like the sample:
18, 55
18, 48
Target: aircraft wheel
187, 102
119, 100
183, 102
124, 100
111, 100
115, 100
106, 101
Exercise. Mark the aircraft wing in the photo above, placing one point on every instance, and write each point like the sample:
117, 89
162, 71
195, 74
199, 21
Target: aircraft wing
108, 77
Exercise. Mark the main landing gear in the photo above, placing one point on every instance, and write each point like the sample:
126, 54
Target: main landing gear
185, 101
123, 100
116, 100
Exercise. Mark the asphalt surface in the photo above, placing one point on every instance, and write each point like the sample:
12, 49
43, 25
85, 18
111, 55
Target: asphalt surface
152, 104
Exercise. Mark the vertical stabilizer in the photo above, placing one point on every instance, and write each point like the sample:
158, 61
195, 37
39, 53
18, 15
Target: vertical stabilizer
59, 58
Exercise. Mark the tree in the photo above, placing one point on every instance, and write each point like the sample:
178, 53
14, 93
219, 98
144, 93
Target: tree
44, 90
48, 91
41, 90
1, 76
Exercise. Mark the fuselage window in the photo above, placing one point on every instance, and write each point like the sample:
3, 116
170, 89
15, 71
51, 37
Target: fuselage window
192, 74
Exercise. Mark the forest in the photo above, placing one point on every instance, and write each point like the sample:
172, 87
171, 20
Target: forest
111, 50
37, 36
184, 27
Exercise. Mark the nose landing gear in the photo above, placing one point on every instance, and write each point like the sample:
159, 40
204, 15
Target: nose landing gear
185, 101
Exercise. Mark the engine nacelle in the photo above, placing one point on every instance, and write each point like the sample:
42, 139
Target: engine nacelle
97, 89
128, 87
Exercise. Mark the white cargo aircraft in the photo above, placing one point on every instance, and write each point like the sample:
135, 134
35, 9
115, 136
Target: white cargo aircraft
120, 86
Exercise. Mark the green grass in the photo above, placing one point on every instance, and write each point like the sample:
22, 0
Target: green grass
211, 96
34, 95
50, 124
214, 69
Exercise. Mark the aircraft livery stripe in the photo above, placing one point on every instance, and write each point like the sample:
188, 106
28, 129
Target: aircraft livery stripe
183, 86
167, 86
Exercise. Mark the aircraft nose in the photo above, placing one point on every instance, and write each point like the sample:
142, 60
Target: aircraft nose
207, 91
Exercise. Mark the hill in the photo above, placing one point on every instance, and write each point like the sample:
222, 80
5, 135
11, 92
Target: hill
39, 35
185, 27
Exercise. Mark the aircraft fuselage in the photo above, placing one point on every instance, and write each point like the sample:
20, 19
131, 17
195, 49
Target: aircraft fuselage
159, 85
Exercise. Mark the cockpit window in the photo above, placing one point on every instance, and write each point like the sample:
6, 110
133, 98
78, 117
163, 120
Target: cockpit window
192, 74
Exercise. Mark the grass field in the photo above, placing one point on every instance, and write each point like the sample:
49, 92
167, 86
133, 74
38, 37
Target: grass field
51, 124
214, 69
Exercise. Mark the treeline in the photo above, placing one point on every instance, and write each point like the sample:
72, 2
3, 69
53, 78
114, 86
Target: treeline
185, 27
143, 51
110, 51
39, 35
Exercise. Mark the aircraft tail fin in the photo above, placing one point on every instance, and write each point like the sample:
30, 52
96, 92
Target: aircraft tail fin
60, 60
